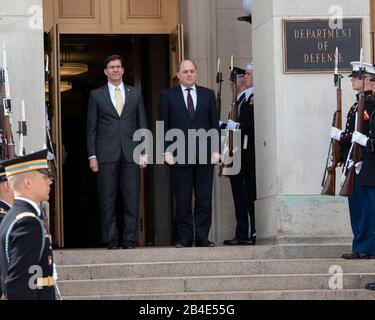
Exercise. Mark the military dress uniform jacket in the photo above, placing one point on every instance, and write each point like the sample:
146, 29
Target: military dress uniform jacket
246, 120
4, 208
346, 136
25, 255
368, 166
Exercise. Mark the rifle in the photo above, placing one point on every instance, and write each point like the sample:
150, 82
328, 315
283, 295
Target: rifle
7, 142
22, 130
227, 157
51, 150
348, 176
333, 159
219, 81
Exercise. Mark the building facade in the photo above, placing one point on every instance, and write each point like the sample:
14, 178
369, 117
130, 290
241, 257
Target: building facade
293, 111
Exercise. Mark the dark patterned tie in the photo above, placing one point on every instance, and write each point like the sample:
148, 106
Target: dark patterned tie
190, 104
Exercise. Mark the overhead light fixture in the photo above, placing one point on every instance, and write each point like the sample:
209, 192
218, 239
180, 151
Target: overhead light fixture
247, 6
72, 69
64, 86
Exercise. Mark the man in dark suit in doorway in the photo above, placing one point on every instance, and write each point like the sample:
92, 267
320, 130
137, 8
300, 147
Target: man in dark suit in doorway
115, 112
191, 107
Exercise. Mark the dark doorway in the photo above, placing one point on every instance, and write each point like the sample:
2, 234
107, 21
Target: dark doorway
146, 67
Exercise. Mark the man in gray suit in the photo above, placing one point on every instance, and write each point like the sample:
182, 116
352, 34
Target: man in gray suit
115, 112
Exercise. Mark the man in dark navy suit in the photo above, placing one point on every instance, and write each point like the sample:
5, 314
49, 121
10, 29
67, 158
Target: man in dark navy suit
26, 260
115, 112
191, 107
6, 194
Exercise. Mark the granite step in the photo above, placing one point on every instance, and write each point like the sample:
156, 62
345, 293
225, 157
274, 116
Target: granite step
219, 253
349, 294
209, 268
159, 285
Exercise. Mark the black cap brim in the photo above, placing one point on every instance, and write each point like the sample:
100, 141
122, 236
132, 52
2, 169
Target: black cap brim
47, 172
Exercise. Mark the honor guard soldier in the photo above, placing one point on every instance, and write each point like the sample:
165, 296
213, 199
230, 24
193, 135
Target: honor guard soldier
243, 184
26, 260
361, 217
6, 194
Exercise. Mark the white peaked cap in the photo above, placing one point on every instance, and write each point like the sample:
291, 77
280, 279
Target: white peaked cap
369, 68
249, 66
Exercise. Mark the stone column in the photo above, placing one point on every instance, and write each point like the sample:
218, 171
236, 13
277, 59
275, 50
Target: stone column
293, 114
21, 25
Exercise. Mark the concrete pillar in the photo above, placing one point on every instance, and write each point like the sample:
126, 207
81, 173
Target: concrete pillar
293, 115
21, 25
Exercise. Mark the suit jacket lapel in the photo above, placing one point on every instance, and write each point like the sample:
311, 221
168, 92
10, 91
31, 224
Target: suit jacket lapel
128, 101
108, 101
199, 107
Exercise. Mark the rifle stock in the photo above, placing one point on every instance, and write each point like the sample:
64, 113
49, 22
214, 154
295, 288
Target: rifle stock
227, 157
333, 160
7, 141
347, 189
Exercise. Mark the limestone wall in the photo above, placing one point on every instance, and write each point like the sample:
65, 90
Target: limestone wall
21, 29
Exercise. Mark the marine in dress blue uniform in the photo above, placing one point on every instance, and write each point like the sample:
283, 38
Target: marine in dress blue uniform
26, 258
368, 177
362, 221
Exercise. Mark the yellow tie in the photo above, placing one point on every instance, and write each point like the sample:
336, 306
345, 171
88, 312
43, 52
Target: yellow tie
119, 103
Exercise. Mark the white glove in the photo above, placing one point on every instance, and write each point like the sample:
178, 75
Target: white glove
232, 125
55, 275
359, 138
336, 133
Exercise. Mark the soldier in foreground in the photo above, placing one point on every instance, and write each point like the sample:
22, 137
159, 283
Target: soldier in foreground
25, 249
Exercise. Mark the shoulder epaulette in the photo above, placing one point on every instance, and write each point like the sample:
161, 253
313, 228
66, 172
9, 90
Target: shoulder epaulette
25, 215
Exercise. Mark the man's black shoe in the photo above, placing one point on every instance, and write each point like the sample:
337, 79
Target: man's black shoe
112, 245
233, 242
128, 246
350, 256
183, 244
356, 255
206, 243
247, 242
370, 286
253, 238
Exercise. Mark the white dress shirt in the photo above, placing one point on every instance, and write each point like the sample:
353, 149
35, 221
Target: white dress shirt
112, 89
193, 93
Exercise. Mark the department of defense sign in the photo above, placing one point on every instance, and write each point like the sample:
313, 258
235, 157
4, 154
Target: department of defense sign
309, 45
